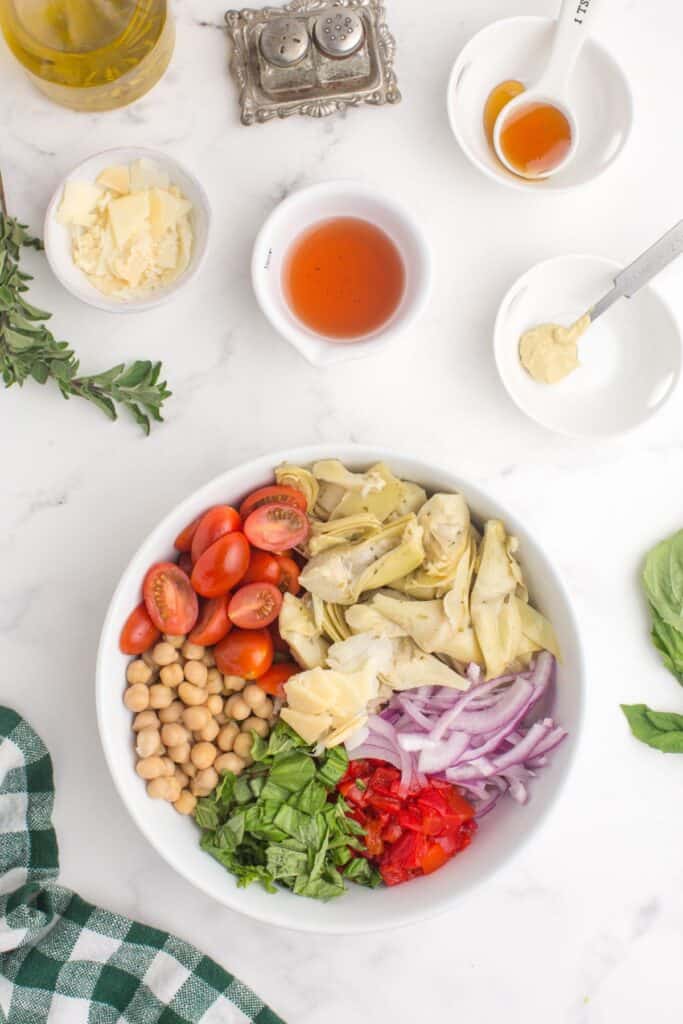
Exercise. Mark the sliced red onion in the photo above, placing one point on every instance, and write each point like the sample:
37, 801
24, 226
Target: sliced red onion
438, 757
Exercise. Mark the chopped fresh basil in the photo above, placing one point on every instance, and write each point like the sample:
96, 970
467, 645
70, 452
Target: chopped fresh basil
662, 730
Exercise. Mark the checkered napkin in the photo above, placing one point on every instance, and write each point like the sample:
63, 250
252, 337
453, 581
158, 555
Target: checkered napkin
64, 961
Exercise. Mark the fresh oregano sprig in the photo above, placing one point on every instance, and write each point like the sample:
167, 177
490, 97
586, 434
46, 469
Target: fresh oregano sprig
29, 349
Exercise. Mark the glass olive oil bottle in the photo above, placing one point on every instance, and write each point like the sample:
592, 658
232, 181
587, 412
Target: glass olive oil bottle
90, 54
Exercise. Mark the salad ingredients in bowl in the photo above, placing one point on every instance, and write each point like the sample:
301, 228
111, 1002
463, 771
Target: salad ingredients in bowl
339, 676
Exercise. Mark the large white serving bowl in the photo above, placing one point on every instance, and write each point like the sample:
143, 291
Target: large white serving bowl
502, 833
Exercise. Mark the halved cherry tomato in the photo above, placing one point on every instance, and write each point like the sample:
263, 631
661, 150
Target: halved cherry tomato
169, 598
289, 574
275, 527
183, 541
274, 494
255, 605
221, 566
139, 632
215, 523
273, 681
263, 568
213, 622
185, 562
244, 652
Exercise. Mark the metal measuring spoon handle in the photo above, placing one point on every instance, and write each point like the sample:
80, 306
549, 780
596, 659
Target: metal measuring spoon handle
642, 270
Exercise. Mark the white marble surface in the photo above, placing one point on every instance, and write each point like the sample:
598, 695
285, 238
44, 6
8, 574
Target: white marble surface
586, 926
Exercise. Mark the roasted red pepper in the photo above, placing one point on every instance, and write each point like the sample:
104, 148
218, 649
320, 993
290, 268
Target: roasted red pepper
406, 835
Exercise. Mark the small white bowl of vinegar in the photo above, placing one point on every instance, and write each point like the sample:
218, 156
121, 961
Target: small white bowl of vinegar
340, 270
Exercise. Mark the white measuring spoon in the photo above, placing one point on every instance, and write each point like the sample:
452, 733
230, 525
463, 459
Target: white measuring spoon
552, 87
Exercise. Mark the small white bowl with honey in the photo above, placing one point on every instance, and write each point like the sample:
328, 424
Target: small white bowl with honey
127, 229
509, 56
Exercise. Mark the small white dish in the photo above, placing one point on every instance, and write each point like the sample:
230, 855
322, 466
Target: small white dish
501, 834
58, 237
300, 211
630, 357
518, 48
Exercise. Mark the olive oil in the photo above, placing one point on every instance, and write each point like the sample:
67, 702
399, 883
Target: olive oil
90, 54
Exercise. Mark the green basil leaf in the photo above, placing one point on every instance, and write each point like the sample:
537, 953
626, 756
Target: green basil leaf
663, 579
312, 798
259, 747
362, 872
206, 814
334, 767
669, 641
282, 740
661, 730
284, 863
273, 794
292, 771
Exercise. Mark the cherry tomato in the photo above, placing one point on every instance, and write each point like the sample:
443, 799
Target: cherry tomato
183, 541
289, 574
273, 681
139, 632
277, 526
213, 622
263, 568
221, 566
185, 562
169, 597
245, 652
215, 523
256, 605
274, 494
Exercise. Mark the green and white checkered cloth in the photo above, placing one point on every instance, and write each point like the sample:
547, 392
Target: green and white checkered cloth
64, 961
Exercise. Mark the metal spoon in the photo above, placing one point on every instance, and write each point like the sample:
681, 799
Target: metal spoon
552, 88
642, 270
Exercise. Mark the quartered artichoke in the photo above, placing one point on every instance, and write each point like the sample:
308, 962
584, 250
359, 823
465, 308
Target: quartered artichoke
349, 530
298, 629
301, 479
341, 574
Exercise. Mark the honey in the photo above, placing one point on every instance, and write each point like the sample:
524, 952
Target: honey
343, 278
534, 140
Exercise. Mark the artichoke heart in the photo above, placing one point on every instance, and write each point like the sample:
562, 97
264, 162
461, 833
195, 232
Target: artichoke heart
332, 471
411, 499
299, 630
341, 574
301, 479
350, 529
329, 496
330, 620
445, 521
537, 631
495, 615
379, 495
411, 668
455, 583
427, 623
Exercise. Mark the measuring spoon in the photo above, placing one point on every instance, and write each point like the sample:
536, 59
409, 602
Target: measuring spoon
552, 88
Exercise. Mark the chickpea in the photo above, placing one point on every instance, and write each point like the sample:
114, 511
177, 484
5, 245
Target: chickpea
164, 654
169, 766
172, 675
189, 768
253, 695
243, 744
203, 755
186, 803
192, 695
149, 661
145, 720
173, 734
222, 718
256, 725
150, 767
182, 778
164, 789
138, 672
264, 710
214, 681
210, 731
175, 641
238, 709
196, 673
160, 696
172, 713
148, 742
233, 683
208, 658
136, 697
196, 718
229, 763
226, 737
204, 782
193, 652
215, 704
180, 753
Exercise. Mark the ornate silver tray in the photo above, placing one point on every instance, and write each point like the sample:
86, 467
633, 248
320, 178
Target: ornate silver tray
315, 84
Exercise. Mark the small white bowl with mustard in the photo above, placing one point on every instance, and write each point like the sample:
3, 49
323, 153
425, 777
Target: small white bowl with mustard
127, 229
